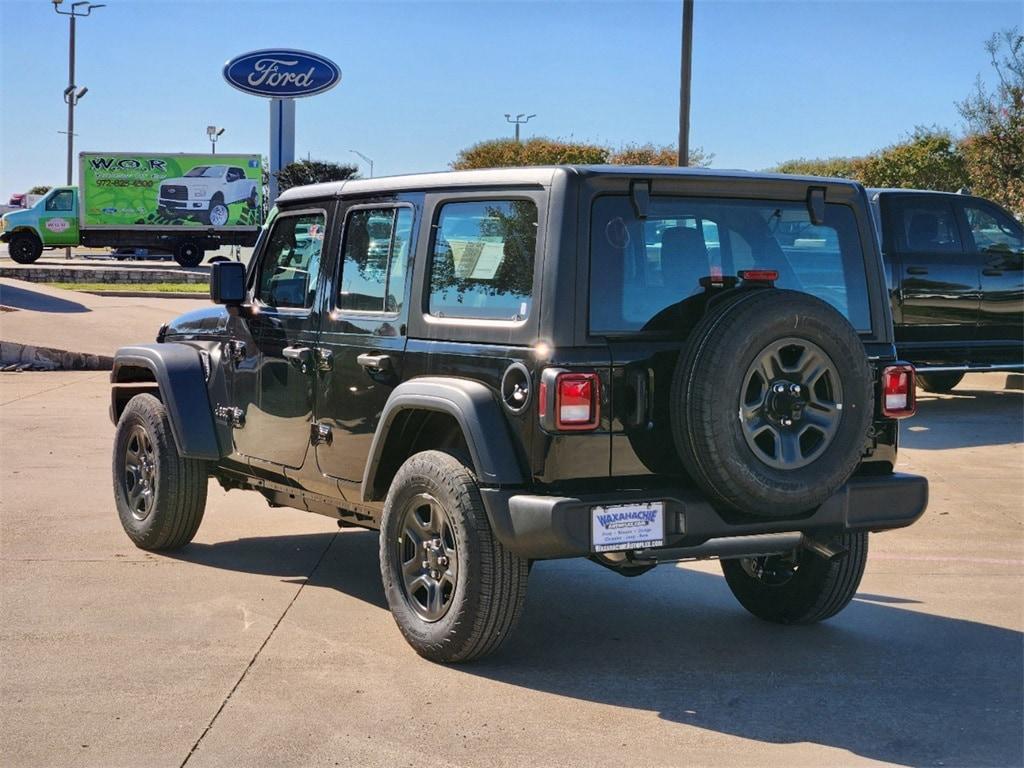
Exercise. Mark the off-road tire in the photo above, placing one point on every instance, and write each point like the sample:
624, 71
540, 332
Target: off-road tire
188, 254
24, 247
938, 382
179, 487
705, 398
818, 590
491, 586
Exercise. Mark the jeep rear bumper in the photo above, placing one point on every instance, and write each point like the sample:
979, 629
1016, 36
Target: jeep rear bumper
542, 527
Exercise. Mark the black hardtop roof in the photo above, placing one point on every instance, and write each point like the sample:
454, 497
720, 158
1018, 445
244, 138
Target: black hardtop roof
528, 176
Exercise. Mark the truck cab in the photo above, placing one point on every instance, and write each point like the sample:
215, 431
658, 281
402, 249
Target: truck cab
51, 223
955, 267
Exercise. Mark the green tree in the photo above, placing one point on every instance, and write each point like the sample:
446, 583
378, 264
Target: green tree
929, 159
843, 167
649, 154
994, 146
39, 189
313, 172
504, 153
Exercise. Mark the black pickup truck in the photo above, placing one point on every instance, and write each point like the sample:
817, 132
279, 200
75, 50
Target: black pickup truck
954, 268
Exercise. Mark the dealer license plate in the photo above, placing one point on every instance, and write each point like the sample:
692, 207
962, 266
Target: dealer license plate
627, 526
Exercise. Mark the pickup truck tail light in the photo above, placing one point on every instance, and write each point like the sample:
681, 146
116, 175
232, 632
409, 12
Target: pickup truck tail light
569, 401
898, 396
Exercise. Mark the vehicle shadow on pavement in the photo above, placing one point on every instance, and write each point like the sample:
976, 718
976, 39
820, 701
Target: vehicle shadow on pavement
25, 298
880, 680
966, 418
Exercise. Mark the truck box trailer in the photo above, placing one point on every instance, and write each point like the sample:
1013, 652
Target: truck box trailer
181, 203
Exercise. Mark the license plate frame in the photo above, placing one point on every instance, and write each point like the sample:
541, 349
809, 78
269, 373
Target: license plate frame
627, 527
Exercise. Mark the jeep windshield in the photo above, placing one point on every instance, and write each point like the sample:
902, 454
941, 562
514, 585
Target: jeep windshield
206, 171
648, 274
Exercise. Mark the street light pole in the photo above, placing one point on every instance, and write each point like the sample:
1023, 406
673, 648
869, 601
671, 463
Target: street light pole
685, 72
365, 158
521, 119
71, 95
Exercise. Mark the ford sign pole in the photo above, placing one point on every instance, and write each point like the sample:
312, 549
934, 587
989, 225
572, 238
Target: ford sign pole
282, 139
282, 75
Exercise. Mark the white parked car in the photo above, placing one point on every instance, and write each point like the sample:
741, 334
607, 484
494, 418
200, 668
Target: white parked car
206, 191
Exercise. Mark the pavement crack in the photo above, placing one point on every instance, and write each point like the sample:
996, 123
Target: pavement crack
259, 650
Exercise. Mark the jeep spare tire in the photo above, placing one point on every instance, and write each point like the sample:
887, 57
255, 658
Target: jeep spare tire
771, 402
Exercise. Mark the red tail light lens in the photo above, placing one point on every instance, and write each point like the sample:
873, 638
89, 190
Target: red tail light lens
576, 401
898, 397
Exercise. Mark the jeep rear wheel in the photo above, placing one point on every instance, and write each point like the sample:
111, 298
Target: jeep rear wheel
160, 495
771, 402
454, 590
24, 247
800, 588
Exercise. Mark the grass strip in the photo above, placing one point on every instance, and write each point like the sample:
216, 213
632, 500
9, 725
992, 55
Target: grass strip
198, 288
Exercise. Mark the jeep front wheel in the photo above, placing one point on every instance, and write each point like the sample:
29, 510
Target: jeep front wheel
454, 590
800, 588
24, 247
160, 494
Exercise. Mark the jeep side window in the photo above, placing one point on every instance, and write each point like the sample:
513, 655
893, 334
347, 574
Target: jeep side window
376, 253
993, 231
291, 261
483, 260
60, 201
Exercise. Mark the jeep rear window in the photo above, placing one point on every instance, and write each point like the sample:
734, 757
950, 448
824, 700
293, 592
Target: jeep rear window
483, 260
645, 273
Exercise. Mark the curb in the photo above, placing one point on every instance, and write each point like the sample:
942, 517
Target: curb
21, 356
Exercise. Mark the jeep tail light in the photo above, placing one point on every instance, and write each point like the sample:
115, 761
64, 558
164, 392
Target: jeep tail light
898, 400
569, 401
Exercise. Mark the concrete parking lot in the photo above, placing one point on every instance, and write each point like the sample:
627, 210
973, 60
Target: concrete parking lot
266, 641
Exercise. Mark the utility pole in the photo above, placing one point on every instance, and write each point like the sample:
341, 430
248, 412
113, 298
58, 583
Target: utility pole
685, 72
521, 119
73, 94
365, 158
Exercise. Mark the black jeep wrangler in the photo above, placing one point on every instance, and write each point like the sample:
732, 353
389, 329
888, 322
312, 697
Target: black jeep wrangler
633, 365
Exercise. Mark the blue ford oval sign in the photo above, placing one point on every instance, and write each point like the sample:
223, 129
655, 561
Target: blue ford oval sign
282, 73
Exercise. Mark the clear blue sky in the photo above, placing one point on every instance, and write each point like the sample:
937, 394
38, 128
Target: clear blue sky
772, 80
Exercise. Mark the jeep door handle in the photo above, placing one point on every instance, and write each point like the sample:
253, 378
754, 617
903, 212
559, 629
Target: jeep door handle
374, 363
917, 271
300, 357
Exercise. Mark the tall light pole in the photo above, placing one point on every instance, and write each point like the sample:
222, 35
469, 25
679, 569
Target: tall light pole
521, 119
685, 72
368, 160
72, 94
214, 133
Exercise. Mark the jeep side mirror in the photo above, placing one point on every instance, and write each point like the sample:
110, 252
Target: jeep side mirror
227, 283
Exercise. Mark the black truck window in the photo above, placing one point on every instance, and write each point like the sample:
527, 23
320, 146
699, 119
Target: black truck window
992, 230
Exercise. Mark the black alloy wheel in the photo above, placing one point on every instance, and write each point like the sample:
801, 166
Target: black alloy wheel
428, 555
791, 403
139, 473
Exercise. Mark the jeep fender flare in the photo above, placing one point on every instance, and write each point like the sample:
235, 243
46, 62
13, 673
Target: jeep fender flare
478, 414
181, 378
